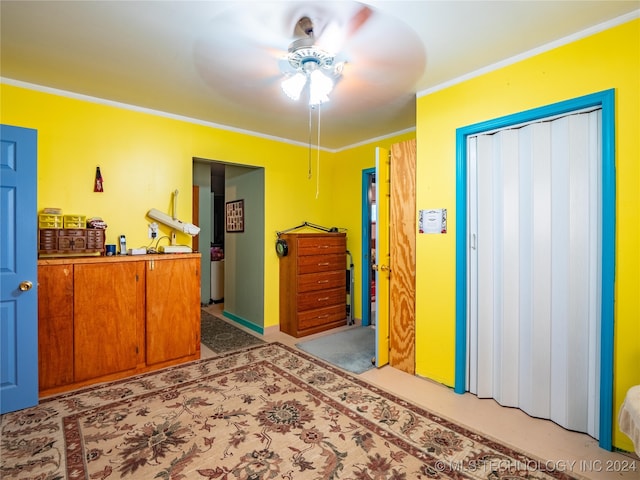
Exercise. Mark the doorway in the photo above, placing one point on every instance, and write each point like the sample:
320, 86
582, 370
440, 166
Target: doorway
465, 241
241, 251
388, 253
534, 222
208, 212
369, 212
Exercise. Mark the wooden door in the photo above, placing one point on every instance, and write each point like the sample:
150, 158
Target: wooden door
107, 300
382, 259
395, 256
173, 309
55, 326
19, 274
402, 242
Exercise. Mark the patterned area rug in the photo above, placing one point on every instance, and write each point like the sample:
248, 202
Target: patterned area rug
268, 412
222, 337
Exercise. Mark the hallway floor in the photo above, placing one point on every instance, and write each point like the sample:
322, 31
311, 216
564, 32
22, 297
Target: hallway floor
575, 453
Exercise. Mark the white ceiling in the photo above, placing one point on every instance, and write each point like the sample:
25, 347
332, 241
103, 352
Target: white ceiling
219, 61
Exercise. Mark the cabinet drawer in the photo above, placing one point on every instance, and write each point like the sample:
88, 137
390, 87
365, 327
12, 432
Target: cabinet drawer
322, 298
322, 263
95, 239
50, 221
48, 239
311, 246
322, 281
75, 221
321, 316
72, 232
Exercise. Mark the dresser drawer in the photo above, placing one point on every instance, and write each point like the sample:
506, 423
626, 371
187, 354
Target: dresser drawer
328, 244
322, 298
321, 263
322, 316
322, 281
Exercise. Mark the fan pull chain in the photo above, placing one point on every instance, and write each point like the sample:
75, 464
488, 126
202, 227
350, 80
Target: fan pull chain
318, 158
309, 161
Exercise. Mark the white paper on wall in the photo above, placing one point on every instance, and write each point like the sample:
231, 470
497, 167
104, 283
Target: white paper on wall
433, 221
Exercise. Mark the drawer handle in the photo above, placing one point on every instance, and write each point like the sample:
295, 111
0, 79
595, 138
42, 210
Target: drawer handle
323, 281
323, 264
323, 299
322, 316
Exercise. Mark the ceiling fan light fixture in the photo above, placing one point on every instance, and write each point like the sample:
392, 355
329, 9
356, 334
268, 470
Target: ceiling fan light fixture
320, 87
314, 67
293, 85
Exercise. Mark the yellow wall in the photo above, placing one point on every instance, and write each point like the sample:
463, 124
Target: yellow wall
143, 158
610, 59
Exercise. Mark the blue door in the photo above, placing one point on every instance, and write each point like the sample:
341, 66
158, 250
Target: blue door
18, 269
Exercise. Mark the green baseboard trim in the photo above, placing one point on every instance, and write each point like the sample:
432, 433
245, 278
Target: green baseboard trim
244, 323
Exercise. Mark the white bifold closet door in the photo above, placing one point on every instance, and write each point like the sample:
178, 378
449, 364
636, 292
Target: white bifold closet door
534, 268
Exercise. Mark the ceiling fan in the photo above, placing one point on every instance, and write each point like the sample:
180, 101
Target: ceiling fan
311, 56
242, 53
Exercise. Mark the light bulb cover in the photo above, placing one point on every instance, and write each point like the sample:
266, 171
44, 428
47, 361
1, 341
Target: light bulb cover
293, 86
320, 87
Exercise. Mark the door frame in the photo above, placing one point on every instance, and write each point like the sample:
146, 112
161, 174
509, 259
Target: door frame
605, 100
367, 173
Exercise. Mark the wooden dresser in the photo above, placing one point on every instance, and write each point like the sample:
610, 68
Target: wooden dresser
313, 283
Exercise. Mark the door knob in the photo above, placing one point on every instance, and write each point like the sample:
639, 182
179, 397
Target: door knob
381, 268
26, 285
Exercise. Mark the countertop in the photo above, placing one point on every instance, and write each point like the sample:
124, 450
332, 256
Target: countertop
115, 258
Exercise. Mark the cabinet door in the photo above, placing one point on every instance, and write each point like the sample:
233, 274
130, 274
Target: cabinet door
173, 309
55, 326
72, 239
106, 313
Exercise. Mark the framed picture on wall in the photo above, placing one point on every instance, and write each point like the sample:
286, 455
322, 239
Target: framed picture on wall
235, 216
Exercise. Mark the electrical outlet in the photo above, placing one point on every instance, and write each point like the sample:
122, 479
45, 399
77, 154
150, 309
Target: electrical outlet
153, 230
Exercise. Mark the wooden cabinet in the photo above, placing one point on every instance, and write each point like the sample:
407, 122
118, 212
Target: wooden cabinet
173, 310
313, 283
102, 318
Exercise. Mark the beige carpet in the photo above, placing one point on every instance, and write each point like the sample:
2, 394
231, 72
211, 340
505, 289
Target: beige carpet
267, 412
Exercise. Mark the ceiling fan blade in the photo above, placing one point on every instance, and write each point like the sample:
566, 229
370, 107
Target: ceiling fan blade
333, 35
